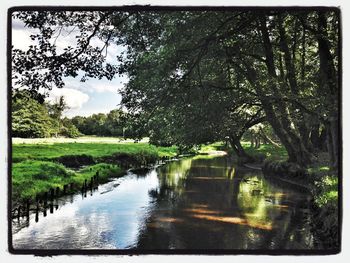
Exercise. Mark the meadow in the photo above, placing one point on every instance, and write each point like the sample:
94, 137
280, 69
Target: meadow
39, 165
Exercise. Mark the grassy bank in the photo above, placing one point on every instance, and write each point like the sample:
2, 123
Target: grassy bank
49, 152
323, 183
324, 179
213, 147
269, 151
32, 178
39, 167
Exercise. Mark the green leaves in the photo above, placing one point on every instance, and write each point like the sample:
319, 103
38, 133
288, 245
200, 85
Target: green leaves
110, 124
198, 76
30, 119
43, 65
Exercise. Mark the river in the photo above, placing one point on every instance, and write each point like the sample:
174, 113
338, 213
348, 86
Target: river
203, 202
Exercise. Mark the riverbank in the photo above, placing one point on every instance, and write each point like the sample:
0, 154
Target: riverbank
318, 179
203, 196
44, 169
40, 168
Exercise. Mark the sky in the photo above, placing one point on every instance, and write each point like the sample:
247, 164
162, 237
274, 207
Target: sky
82, 98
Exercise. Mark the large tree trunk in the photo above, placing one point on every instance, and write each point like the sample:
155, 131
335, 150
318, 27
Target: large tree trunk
334, 139
296, 150
336, 143
267, 138
318, 139
330, 147
282, 123
293, 84
239, 150
329, 86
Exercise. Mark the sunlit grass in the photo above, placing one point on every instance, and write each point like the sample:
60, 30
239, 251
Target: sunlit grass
82, 139
213, 147
35, 169
46, 152
269, 151
30, 178
105, 171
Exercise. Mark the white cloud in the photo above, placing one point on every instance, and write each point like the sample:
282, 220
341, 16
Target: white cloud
106, 87
73, 98
92, 96
92, 86
62, 38
21, 37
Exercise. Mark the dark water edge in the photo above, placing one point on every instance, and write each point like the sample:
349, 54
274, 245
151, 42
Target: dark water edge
194, 203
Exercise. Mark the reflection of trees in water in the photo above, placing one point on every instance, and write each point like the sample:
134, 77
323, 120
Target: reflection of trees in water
205, 203
191, 176
263, 202
208, 189
171, 180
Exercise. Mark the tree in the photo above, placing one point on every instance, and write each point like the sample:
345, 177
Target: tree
80, 123
110, 124
200, 76
30, 119
261, 48
69, 129
114, 123
27, 66
56, 110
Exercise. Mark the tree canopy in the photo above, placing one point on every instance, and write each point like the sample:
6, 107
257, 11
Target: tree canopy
110, 124
32, 119
200, 76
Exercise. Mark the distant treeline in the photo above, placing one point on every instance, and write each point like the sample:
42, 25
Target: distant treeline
110, 124
38, 119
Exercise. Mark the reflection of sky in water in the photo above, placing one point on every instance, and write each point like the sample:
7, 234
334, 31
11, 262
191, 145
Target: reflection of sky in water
197, 202
109, 220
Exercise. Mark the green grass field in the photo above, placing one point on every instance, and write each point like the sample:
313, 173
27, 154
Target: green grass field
30, 178
45, 152
36, 169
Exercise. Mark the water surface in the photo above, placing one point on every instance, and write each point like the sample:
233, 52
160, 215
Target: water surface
195, 203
